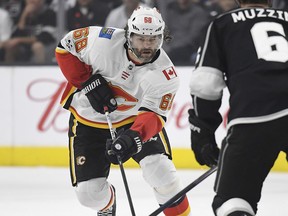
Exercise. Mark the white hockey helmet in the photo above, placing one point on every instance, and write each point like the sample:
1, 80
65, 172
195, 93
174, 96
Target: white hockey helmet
146, 21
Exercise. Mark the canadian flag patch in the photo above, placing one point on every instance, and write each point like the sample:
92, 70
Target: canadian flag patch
170, 73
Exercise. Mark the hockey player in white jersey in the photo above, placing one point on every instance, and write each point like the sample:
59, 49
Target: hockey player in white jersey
128, 72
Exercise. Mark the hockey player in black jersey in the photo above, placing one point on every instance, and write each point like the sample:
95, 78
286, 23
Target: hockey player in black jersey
245, 50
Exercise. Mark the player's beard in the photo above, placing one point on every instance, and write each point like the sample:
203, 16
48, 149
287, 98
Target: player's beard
145, 55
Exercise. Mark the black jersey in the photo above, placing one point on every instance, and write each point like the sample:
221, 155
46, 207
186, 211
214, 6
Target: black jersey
246, 50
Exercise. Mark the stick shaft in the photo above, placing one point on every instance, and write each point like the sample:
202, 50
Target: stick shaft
184, 191
126, 186
112, 131
113, 136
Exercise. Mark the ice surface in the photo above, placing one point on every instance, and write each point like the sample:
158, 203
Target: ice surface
42, 191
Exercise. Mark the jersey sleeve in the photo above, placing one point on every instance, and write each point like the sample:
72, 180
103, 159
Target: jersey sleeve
207, 81
72, 55
156, 103
160, 91
147, 123
80, 41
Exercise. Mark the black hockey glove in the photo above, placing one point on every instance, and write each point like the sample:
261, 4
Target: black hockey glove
99, 94
203, 141
125, 145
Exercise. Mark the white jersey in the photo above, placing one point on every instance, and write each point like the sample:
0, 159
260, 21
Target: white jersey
150, 86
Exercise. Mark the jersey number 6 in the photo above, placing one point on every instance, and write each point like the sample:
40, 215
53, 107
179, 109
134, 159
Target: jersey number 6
270, 41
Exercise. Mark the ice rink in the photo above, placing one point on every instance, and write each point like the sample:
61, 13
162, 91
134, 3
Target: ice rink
42, 191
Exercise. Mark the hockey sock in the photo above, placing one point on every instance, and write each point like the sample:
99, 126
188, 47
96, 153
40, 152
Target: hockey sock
179, 208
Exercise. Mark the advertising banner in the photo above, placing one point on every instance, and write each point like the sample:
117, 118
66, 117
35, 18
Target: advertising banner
33, 115
34, 125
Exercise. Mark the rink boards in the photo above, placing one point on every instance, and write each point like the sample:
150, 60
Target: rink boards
34, 126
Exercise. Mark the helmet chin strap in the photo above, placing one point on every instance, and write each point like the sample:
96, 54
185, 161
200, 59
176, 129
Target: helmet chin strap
135, 54
132, 51
130, 47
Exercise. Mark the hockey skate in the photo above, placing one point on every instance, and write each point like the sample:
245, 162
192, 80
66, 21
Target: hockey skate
110, 211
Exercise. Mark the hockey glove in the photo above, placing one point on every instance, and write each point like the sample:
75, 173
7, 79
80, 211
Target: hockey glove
99, 94
125, 145
203, 141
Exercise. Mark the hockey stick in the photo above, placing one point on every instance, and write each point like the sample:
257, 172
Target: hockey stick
113, 136
184, 191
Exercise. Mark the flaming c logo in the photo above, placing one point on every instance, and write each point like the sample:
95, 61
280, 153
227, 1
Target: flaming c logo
80, 160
